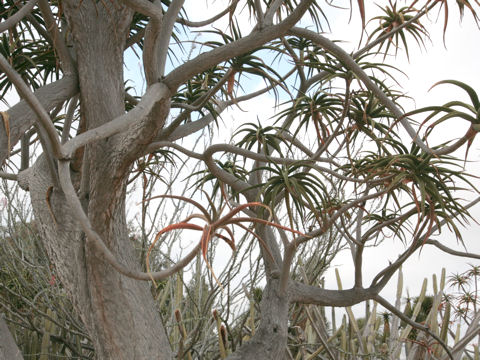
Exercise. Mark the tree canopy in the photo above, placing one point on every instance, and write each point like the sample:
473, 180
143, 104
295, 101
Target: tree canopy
135, 183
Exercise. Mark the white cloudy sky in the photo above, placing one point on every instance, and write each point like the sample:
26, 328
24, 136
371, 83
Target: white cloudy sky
457, 59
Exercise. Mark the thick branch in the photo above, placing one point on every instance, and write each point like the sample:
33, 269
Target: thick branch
155, 93
22, 117
95, 240
165, 34
8, 176
236, 48
43, 117
307, 294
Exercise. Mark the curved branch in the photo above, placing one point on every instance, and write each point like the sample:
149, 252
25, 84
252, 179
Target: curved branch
384, 275
313, 234
350, 63
437, 244
286, 161
42, 116
190, 128
254, 40
412, 323
18, 16
308, 294
208, 21
145, 7
22, 117
155, 93
383, 224
94, 239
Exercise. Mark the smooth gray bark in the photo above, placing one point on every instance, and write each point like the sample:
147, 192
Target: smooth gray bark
8, 348
22, 117
119, 312
270, 338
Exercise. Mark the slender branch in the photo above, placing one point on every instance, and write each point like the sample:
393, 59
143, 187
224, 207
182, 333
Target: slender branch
145, 7
322, 230
412, 323
272, 9
236, 184
95, 240
256, 39
362, 75
384, 275
208, 21
383, 224
296, 61
324, 74
43, 117
165, 34
66, 60
286, 161
8, 176
18, 16
472, 331
395, 30
22, 117
69, 119
40, 29
197, 104
442, 247
358, 256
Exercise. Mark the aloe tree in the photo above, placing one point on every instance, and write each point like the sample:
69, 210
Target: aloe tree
341, 164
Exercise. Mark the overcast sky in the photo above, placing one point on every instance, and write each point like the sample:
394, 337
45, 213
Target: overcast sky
457, 59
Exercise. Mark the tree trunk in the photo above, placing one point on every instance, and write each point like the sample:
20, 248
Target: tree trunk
270, 340
119, 313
